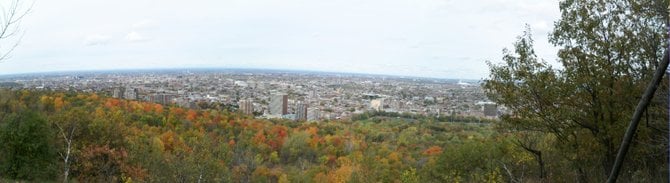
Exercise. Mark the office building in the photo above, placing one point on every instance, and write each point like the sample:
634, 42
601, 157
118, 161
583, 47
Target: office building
313, 114
130, 93
278, 104
246, 106
301, 111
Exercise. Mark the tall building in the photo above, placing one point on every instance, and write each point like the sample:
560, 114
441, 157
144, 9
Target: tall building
117, 93
246, 106
301, 111
279, 104
130, 93
313, 114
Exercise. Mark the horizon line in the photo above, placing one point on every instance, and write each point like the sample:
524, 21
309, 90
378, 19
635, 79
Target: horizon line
227, 68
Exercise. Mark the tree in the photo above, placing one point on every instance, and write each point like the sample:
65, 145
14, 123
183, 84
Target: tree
71, 126
27, 151
609, 51
10, 19
104, 164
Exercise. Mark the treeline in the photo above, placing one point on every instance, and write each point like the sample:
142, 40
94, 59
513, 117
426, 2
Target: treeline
84, 137
371, 115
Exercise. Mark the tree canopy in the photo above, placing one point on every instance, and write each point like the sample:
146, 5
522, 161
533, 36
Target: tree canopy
608, 53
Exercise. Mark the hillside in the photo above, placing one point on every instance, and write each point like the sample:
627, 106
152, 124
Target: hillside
120, 141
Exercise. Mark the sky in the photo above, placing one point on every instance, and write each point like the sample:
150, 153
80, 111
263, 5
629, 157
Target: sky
425, 38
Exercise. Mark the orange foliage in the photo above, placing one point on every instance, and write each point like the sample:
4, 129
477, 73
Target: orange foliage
176, 111
171, 142
158, 108
314, 142
312, 131
58, 103
191, 115
206, 115
111, 102
147, 107
434, 150
259, 138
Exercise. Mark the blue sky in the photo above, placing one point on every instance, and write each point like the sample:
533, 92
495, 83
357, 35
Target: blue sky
427, 38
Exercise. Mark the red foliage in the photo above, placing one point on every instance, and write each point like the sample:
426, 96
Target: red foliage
191, 115
259, 138
434, 150
112, 102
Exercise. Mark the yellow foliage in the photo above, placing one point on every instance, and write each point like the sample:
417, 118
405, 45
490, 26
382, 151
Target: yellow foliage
394, 156
312, 131
283, 179
45, 99
58, 103
319, 177
340, 175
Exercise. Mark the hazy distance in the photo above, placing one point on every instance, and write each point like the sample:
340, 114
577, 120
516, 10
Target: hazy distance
429, 38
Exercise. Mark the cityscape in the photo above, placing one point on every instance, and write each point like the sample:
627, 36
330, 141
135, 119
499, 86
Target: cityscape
293, 95
319, 91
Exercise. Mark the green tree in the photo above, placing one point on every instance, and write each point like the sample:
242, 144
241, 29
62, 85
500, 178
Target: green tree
609, 51
28, 152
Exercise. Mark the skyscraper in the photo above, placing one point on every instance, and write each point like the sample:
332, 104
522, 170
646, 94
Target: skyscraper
314, 114
301, 111
279, 104
246, 106
130, 93
117, 93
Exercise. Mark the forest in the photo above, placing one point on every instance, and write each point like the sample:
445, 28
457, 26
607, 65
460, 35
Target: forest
85, 137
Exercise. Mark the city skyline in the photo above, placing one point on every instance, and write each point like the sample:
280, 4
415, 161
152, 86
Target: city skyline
435, 38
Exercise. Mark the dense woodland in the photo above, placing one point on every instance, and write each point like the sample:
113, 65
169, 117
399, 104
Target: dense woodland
51, 136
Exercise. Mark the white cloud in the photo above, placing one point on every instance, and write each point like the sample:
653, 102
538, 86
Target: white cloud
353, 35
135, 37
97, 39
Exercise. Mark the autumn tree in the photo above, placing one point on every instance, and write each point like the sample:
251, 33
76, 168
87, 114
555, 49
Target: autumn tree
609, 51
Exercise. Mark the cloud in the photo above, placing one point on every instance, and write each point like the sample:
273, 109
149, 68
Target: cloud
135, 37
353, 35
97, 39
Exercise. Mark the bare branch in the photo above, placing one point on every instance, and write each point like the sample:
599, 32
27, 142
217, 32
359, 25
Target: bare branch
10, 19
